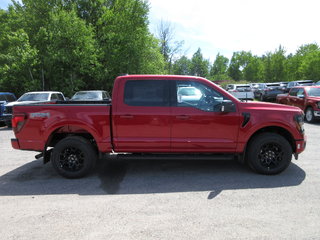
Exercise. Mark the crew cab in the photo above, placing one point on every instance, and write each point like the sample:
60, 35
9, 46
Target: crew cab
160, 117
306, 98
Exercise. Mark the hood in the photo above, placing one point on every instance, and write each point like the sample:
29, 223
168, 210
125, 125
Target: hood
314, 99
268, 106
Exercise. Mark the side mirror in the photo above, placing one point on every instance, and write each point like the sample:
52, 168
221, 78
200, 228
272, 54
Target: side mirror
300, 96
227, 106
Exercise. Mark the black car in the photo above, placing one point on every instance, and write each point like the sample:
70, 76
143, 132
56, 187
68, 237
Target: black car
269, 91
298, 83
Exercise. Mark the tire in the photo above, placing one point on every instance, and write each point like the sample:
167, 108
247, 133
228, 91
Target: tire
261, 98
9, 124
73, 157
309, 115
269, 153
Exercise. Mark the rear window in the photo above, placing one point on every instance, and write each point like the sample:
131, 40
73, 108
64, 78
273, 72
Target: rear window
243, 88
146, 93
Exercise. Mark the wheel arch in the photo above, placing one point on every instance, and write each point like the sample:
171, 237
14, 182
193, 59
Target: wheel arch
273, 129
65, 131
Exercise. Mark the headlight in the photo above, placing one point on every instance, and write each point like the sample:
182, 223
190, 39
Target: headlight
299, 119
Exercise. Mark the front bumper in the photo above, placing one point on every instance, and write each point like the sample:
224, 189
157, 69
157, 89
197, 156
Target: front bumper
316, 113
301, 145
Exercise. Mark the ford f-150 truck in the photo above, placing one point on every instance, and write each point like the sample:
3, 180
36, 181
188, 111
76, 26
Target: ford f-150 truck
161, 117
306, 98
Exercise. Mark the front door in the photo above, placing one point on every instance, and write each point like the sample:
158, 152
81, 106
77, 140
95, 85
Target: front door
198, 125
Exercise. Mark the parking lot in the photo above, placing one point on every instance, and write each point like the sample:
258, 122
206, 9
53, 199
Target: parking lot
159, 199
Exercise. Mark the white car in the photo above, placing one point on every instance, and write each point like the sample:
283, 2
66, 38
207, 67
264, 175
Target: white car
241, 91
33, 97
188, 94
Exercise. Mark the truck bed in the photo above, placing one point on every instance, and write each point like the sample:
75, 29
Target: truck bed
46, 123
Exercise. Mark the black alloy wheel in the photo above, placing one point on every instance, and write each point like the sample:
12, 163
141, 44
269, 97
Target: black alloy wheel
73, 157
269, 153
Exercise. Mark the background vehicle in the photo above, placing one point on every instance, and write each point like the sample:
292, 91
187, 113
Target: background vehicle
92, 95
306, 98
5, 98
147, 120
298, 83
241, 91
32, 97
255, 88
269, 91
317, 83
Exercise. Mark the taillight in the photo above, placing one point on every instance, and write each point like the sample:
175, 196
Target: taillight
18, 121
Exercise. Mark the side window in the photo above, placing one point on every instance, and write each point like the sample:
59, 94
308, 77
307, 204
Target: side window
293, 92
54, 96
198, 95
300, 92
60, 97
147, 93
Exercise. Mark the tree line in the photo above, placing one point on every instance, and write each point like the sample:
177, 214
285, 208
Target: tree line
71, 45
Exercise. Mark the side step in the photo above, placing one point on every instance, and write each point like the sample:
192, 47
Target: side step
133, 156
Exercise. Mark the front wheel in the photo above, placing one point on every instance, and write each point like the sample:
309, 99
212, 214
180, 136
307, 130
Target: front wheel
73, 157
269, 153
309, 115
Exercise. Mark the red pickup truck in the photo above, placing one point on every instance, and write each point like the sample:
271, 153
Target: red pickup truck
306, 98
164, 117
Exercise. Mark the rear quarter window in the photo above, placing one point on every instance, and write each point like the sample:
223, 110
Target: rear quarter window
146, 93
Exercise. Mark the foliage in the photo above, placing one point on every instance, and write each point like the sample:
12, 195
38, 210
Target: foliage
70, 45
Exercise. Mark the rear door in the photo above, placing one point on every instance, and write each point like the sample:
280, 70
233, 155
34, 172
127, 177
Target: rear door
141, 116
198, 125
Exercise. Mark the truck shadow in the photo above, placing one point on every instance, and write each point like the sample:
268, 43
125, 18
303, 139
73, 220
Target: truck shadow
145, 177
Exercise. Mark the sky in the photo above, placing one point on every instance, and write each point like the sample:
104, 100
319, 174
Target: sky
227, 26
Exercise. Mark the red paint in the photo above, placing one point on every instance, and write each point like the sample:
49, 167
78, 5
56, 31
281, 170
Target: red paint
158, 129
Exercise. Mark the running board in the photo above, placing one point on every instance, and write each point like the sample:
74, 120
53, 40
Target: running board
172, 156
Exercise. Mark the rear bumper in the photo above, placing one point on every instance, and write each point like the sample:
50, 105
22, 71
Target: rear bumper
27, 145
15, 143
5, 117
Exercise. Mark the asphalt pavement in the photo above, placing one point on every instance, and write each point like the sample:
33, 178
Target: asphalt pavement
159, 199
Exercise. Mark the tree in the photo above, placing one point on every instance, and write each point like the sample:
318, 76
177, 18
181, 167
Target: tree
182, 66
168, 47
310, 66
219, 68
199, 65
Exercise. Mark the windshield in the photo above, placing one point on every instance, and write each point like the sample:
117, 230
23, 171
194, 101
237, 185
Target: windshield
87, 96
34, 97
313, 92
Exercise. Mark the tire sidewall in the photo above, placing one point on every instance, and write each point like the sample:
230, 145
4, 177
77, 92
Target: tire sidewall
310, 110
258, 142
90, 156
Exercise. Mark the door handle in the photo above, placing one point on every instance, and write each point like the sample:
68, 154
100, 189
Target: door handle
182, 117
127, 116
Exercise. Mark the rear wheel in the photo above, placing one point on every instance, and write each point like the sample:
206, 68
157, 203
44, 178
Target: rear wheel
73, 157
309, 115
269, 153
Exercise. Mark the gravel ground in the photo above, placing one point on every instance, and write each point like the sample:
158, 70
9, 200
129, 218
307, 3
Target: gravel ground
159, 199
